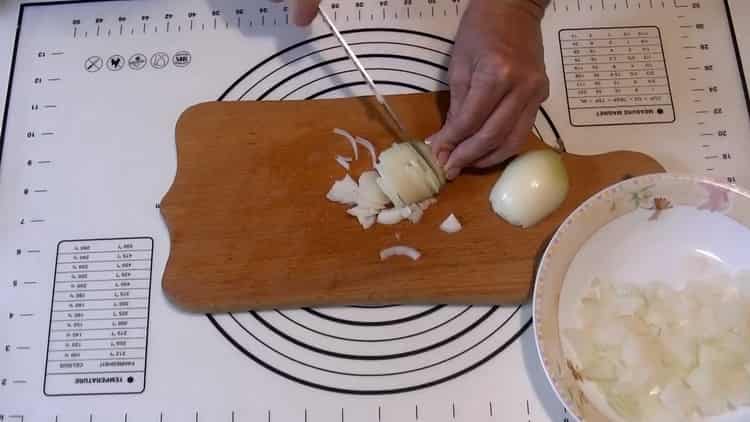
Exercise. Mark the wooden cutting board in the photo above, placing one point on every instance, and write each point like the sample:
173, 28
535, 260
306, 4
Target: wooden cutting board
251, 229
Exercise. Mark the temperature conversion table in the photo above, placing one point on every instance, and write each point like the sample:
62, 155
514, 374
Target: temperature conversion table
99, 323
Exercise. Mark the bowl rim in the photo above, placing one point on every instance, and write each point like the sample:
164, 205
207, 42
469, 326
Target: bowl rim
539, 280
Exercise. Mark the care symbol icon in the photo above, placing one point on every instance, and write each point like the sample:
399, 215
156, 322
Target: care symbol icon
137, 61
93, 64
115, 62
160, 60
182, 58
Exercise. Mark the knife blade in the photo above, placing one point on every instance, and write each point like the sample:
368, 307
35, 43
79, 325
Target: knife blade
378, 96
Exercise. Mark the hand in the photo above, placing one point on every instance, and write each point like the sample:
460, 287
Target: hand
497, 83
302, 11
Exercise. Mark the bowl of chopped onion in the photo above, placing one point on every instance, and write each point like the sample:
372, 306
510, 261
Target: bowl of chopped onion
642, 303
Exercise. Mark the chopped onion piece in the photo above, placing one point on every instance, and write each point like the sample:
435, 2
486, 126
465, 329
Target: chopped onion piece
343, 191
343, 161
370, 147
350, 138
365, 216
400, 251
370, 195
655, 351
451, 225
361, 211
391, 216
407, 179
678, 397
366, 221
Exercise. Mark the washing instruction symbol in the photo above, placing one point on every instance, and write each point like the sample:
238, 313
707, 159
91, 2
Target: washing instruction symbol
159, 60
93, 64
115, 62
137, 61
182, 58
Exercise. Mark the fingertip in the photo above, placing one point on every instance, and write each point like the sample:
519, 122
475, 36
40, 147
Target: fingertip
440, 145
452, 173
302, 19
497, 157
463, 155
303, 11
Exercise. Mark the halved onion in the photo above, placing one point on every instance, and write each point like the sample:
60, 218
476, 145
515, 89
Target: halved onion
406, 176
426, 152
530, 188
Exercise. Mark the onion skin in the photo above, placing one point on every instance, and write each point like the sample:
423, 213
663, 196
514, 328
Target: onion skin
530, 188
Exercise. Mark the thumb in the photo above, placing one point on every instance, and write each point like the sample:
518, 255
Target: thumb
303, 11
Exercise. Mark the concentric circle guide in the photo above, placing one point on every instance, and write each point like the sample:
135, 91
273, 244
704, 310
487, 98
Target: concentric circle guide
382, 349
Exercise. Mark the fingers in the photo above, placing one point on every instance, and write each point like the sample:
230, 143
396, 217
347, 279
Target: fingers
485, 91
303, 11
494, 132
459, 76
514, 141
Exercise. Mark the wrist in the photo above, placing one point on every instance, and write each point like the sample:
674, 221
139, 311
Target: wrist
535, 8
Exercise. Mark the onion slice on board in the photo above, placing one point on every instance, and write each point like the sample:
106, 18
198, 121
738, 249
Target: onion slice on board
350, 138
365, 216
343, 161
451, 225
370, 147
392, 216
400, 251
370, 195
344, 191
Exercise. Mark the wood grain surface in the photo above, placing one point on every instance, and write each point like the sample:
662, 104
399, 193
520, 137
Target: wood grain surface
250, 226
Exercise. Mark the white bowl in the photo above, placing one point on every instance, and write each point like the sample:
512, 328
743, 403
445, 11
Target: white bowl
618, 234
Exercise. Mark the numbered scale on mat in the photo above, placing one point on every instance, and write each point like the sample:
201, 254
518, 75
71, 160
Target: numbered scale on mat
88, 152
